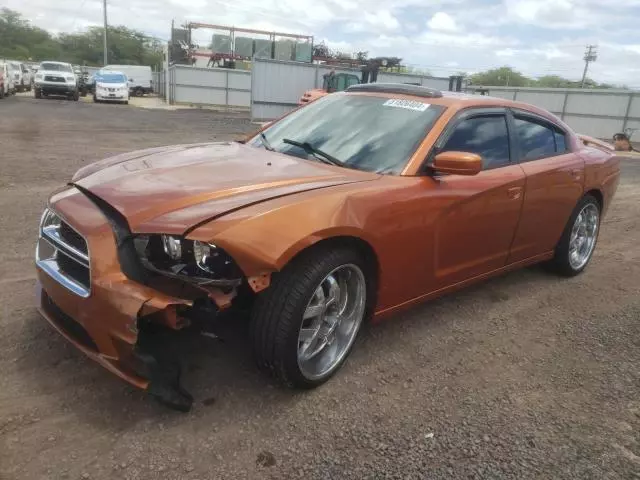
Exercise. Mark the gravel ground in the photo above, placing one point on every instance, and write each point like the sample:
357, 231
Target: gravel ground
525, 376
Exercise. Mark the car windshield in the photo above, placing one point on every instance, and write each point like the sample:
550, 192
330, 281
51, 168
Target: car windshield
371, 133
56, 67
111, 78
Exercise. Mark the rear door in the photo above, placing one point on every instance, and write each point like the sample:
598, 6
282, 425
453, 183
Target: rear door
473, 235
554, 183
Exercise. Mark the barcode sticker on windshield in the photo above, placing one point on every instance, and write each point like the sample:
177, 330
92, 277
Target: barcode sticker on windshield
408, 104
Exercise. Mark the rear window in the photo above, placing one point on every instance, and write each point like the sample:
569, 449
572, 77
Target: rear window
538, 140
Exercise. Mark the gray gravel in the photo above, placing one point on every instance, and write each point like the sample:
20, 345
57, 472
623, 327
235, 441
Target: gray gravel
525, 376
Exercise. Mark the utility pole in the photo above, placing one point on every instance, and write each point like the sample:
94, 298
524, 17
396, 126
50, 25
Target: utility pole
104, 9
590, 55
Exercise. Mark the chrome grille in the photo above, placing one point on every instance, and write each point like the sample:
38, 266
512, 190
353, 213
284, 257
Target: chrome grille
53, 78
63, 254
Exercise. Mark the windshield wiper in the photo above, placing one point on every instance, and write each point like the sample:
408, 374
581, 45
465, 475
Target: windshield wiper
319, 154
266, 143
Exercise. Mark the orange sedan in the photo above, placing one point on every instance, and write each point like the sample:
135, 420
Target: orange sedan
343, 211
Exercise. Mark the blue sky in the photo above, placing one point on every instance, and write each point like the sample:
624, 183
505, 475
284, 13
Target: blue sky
537, 37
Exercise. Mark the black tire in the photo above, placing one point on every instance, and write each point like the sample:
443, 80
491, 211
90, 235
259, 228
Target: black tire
37, 93
276, 316
560, 262
126, 102
95, 99
1, 92
76, 96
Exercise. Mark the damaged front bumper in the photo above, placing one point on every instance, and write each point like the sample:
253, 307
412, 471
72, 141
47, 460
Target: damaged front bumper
127, 327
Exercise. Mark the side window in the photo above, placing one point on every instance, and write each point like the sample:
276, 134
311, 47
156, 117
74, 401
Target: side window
538, 140
561, 145
342, 83
352, 80
485, 135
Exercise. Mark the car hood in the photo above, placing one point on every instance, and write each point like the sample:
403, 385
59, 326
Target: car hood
172, 189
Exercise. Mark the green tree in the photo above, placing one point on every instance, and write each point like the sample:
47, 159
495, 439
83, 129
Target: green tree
21, 41
503, 76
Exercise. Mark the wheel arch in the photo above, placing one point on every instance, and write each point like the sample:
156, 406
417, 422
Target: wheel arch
597, 194
354, 242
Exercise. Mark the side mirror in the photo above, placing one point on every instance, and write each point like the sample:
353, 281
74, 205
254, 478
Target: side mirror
457, 163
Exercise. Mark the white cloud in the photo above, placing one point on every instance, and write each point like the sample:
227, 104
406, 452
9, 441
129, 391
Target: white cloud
381, 21
443, 36
442, 21
506, 52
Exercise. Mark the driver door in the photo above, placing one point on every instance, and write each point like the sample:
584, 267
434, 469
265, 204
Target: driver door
474, 231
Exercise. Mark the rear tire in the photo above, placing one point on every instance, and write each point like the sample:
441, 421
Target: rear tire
299, 290
578, 242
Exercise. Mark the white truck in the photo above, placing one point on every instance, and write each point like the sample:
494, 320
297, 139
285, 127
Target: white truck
15, 72
6, 82
56, 78
26, 78
139, 77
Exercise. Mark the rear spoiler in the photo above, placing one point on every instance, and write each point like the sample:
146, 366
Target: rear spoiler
590, 141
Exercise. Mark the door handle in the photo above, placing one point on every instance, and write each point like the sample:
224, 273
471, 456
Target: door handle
514, 192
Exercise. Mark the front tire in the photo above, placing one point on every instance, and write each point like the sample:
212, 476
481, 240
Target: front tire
578, 241
304, 325
37, 93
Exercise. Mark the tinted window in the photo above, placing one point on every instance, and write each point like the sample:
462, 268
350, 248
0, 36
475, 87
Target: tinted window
486, 136
376, 134
561, 145
345, 81
536, 140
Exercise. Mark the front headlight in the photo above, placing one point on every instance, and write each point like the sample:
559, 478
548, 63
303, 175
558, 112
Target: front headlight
71, 79
188, 260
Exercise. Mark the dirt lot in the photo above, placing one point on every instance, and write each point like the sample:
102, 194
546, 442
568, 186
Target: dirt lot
526, 376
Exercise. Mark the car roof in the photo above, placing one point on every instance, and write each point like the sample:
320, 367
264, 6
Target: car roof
454, 100
54, 62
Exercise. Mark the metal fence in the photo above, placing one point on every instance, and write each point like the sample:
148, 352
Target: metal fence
182, 84
276, 85
598, 113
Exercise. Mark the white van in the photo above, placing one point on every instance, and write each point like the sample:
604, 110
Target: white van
139, 77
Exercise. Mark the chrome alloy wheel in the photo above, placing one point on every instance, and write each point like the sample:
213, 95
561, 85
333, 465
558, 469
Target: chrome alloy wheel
331, 321
583, 236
